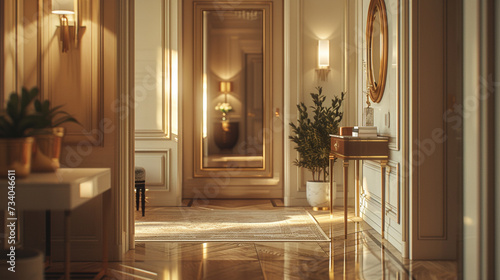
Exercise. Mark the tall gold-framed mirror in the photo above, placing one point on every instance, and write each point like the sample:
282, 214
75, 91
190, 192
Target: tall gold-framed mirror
376, 42
232, 101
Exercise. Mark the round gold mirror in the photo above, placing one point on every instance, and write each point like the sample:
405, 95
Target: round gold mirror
376, 40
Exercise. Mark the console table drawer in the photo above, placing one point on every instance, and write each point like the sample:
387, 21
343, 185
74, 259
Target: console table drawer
347, 147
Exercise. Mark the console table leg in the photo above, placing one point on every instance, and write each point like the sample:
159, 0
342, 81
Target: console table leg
48, 239
332, 188
383, 165
67, 250
357, 194
346, 176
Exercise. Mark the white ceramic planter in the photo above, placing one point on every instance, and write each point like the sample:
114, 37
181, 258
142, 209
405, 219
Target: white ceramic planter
28, 265
318, 194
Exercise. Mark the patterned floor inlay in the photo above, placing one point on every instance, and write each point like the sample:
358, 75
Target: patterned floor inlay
361, 256
230, 225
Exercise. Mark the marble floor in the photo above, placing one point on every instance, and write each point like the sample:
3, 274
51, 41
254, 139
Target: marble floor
361, 256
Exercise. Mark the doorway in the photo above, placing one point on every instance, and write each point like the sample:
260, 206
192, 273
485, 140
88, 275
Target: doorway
232, 85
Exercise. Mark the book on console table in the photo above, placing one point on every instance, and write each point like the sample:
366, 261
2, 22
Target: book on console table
364, 131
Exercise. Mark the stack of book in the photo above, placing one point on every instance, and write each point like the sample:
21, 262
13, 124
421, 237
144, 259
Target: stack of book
364, 131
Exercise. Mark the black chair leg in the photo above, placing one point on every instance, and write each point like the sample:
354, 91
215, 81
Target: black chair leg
137, 190
143, 198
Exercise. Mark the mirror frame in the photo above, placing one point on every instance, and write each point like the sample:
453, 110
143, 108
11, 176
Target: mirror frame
376, 92
266, 171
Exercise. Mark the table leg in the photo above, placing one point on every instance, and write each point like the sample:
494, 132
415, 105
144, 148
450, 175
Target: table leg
67, 250
332, 187
383, 165
137, 194
48, 238
105, 224
357, 194
143, 199
346, 175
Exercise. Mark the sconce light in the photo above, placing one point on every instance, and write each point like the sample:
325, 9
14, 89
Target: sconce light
323, 59
65, 8
225, 87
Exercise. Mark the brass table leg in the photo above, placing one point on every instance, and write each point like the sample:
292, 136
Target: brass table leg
383, 165
332, 187
346, 175
356, 208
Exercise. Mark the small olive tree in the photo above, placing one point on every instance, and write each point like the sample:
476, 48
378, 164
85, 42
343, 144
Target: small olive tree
312, 135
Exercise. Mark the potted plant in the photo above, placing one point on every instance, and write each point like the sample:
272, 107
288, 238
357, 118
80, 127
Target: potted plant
48, 136
312, 138
16, 122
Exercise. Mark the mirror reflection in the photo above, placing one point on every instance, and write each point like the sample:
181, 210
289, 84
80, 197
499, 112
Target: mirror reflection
233, 89
376, 48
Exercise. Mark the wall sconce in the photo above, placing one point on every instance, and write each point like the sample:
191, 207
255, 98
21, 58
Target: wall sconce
65, 8
323, 59
225, 87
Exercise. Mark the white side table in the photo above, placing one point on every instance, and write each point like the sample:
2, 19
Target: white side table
64, 190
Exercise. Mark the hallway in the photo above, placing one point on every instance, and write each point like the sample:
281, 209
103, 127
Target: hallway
361, 256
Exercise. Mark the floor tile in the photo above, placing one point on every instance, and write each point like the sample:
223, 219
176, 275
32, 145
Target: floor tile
361, 256
290, 251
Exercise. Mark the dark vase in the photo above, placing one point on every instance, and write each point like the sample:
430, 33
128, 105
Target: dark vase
226, 134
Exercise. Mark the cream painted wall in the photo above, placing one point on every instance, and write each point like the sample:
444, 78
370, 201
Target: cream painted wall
480, 226
156, 103
306, 22
387, 118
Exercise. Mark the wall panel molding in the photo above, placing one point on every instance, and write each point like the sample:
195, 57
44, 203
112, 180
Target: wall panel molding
434, 52
394, 140
434, 147
157, 165
154, 123
393, 206
74, 79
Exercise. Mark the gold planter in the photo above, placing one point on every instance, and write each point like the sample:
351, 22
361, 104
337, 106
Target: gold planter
47, 150
15, 154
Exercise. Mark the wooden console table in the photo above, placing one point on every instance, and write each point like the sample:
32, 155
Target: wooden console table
63, 190
358, 148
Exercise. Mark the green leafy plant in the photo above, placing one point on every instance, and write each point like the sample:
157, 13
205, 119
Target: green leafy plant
312, 135
51, 117
16, 121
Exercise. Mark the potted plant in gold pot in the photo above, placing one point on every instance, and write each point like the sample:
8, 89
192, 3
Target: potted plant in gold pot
48, 135
16, 123
312, 138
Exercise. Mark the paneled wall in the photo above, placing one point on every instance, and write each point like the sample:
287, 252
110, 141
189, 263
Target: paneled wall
156, 114
436, 130
83, 80
388, 115
2, 57
306, 22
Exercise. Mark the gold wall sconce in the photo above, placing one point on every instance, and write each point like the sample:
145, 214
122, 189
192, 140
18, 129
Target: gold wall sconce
225, 87
323, 59
65, 8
